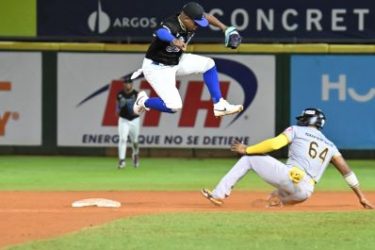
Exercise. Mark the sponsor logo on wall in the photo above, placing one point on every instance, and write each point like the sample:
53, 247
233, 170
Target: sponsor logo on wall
290, 21
344, 87
20, 98
195, 125
6, 116
100, 22
343, 92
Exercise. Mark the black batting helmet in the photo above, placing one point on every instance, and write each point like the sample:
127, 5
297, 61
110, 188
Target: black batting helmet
311, 116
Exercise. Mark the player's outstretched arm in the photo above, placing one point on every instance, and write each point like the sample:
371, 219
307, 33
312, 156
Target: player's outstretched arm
350, 178
215, 22
262, 147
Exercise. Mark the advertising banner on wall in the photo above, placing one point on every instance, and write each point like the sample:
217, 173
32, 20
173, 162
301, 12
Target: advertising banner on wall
87, 88
344, 88
270, 20
20, 98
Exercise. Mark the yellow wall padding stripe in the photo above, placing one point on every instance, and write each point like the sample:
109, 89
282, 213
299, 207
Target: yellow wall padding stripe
202, 48
352, 48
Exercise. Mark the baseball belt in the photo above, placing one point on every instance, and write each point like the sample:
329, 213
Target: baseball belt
296, 175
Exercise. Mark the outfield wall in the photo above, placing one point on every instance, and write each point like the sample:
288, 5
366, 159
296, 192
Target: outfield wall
57, 98
259, 21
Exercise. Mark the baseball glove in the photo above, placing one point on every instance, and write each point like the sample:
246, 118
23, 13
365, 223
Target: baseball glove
232, 38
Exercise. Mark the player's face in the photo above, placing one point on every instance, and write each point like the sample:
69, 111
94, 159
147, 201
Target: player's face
128, 87
188, 22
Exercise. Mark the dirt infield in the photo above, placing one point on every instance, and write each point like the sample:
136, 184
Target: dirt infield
26, 216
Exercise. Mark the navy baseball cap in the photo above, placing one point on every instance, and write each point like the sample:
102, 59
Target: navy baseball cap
196, 12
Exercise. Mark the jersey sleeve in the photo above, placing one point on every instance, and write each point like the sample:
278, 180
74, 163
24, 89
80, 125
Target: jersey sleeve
289, 133
268, 145
335, 151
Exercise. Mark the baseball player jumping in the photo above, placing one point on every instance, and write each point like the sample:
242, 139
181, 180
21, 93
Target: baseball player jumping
310, 152
165, 59
128, 122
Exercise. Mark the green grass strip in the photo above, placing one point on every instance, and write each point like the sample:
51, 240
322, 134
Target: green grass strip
213, 231
46, 173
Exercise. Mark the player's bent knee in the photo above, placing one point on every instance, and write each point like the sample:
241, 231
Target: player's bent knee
209, 65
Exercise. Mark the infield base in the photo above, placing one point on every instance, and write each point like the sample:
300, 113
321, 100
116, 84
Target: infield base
96, 202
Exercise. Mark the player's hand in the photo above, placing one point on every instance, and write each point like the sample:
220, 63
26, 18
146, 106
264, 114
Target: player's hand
366, 204
232, 37
179, 44
238, 147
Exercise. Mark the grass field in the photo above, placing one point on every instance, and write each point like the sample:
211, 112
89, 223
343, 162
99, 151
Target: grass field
225, 231
219, 230
100, 173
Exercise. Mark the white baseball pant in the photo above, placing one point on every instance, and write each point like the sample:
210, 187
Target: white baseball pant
163, 77
127, 128
270, 170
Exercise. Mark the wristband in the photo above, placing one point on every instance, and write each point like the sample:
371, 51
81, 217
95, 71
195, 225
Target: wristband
352, 180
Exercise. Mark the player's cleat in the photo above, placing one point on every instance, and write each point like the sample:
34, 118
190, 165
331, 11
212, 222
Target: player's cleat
139, 105
135, 158
223, 107
208, 194
121, 164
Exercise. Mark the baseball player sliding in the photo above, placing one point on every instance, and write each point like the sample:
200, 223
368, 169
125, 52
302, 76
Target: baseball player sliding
310, 152
165, 60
